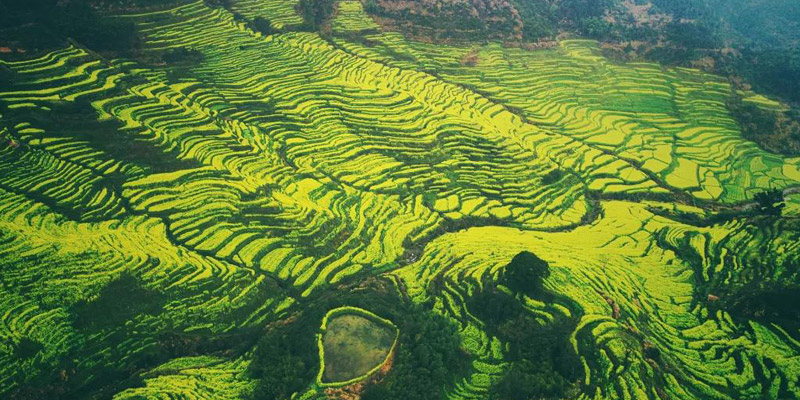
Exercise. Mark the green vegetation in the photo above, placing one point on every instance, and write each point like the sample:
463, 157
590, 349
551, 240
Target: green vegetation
770, 202
178, 218
181, 55
525, 272
119, 301
42, 24
774, 130
768, 302
468, 20
542, 361
315, 12
427, 343
752, 44
354, 344
263, 25
285, 361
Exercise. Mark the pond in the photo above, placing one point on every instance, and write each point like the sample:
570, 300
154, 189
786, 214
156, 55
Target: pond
353, 345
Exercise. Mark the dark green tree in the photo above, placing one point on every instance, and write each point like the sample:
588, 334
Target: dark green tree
285, 360
770, 202
315, 12
525, 273
428, 357
527, 381
263, 25
371, 6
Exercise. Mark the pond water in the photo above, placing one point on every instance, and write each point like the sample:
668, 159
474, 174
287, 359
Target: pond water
353, 345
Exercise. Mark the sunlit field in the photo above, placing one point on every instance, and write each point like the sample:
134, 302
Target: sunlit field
158, 219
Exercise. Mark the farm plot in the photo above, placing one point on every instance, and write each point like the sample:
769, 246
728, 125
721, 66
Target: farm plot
351, 18
237, 188
628, 293
281, 14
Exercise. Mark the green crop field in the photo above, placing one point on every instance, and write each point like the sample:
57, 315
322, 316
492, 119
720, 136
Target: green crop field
157, 220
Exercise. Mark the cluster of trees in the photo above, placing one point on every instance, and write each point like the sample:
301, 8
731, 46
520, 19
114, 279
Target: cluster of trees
286, 359
553, 176
776, 131
543, 363
427, 357
766, 301
315, 12
770, 202
263, 25
482, 19
760, 293
120, 300
428, 354
771, 69
469, 20
180, 55
258, 24
26, 348
43, 24
525, 273
538, 20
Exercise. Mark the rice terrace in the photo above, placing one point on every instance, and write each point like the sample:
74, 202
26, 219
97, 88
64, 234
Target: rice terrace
379, 199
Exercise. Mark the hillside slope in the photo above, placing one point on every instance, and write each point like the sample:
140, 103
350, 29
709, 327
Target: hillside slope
176, 223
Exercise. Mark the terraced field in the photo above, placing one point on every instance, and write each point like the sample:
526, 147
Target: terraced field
351, 18
282, 168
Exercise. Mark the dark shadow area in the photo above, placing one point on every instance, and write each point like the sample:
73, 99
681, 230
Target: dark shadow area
543, 362
121, 300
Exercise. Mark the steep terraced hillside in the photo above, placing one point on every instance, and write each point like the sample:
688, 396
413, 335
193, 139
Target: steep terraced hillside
157, 220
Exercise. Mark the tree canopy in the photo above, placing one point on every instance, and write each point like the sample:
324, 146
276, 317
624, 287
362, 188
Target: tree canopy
525, 273
770, 202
